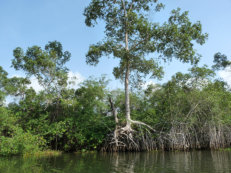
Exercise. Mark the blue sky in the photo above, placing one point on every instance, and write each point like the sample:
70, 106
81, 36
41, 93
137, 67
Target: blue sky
25, 23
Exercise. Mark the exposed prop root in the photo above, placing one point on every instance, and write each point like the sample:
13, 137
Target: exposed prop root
128, 139
179, 135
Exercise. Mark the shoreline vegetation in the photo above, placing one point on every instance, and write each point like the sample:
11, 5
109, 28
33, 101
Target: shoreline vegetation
191, 111
186, 116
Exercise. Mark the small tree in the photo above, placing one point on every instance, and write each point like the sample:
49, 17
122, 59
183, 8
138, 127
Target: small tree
47, 66
132, 37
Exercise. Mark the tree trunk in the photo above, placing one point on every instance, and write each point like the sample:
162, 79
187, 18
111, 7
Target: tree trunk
127, 100
114, 112
127, 73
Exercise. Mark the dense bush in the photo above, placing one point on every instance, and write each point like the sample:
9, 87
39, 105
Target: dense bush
13, 139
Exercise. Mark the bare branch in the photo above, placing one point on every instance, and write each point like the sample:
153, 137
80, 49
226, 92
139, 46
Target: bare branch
142, 123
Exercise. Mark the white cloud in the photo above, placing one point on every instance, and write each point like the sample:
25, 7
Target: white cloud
146, 84
226, 75
35, 84
74, 79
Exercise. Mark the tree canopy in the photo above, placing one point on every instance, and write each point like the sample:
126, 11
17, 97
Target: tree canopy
220, 61
140, 43
48, 65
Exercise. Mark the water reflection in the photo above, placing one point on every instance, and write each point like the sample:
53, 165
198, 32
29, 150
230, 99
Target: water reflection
150, 162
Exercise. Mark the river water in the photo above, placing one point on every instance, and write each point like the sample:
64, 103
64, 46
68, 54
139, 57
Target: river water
147, 162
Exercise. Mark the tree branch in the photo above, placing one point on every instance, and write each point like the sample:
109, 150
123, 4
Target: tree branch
131, 5
142, 123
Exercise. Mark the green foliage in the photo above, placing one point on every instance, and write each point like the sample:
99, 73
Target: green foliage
192, 104
76, 120
190, 110
13, 140
220, 61
20, 143
3, 78
17, 86
46, 65
131, 37
91, 123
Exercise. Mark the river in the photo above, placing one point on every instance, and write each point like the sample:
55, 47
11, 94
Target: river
146, 162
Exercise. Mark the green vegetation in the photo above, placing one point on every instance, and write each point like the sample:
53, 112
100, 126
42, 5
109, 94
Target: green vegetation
133, 39
191, 111
14, 140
